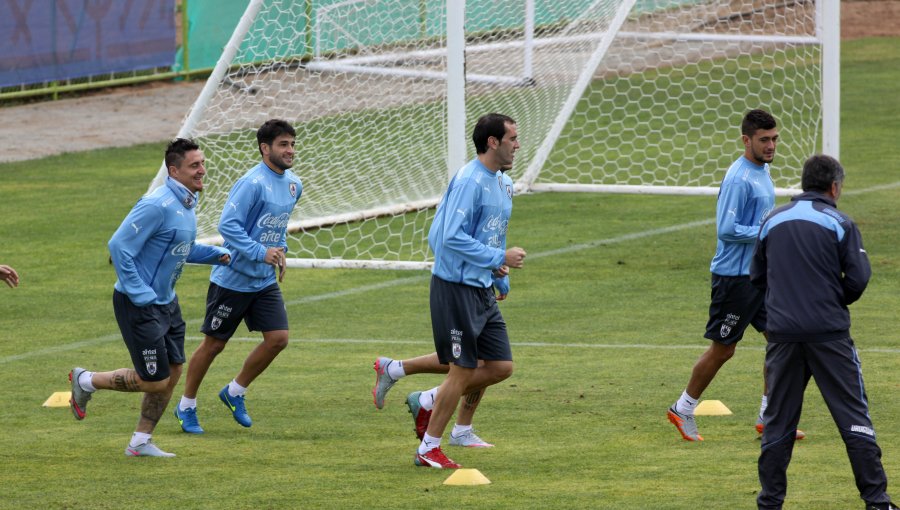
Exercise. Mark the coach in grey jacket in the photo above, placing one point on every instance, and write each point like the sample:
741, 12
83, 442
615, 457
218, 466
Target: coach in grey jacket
810, 260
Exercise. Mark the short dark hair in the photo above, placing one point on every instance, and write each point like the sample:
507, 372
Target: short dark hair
176, 150
755, 120
819, 171
491, 124
272, 129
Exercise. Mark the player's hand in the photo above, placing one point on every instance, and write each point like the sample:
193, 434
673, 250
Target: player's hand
225, 259
501, 271
276, 257
515, 257
501, 286
9, 275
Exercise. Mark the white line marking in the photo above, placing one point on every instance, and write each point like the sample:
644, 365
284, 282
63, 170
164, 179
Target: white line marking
700, 345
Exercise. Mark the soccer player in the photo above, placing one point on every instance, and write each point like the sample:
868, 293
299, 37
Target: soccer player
149, 250
254, 227
468, 238
388, 371
811, 265
746, 196
9, 276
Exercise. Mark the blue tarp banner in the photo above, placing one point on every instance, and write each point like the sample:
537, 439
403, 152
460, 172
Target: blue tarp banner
46, 40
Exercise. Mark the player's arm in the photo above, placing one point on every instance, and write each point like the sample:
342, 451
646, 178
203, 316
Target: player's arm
854, 264
208, 254
501, 285
233, 225
730, 207
127, 242
759, 263
458, 221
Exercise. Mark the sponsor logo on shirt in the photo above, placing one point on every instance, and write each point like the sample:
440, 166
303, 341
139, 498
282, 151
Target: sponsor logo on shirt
495, 223
273, 222
182, 249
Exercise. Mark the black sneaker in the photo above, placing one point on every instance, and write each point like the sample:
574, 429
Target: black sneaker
881, 506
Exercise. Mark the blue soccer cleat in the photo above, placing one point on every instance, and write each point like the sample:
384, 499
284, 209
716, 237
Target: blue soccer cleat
188, 420
236, 406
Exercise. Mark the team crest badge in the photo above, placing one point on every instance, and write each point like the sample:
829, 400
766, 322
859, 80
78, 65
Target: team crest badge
215, 323
151, 367
293, 188
724, 330
457, 350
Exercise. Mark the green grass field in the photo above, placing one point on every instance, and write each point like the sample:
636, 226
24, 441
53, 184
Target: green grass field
606, 321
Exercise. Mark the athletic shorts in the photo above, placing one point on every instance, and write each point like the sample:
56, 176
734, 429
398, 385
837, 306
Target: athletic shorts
262, 310
154, 335
734, 304
467, 324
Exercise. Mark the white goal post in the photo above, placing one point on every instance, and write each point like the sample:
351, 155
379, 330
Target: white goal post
615, 96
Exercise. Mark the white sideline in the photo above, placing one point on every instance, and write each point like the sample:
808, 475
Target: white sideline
418, 278
569, 345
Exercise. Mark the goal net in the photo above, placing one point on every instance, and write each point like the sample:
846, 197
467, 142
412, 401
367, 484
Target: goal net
609, 95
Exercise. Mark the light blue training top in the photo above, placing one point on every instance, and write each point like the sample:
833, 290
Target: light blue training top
255, 218
746, 197
151, 246
468, 235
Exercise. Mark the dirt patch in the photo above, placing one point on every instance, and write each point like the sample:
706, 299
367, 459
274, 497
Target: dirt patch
154, 112
870, 18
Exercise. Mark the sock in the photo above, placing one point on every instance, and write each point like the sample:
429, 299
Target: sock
686, 404
429, 443
86, 382
187, 403
763, 405
395, 370
235, 389
426, 399
139, 438
459, 430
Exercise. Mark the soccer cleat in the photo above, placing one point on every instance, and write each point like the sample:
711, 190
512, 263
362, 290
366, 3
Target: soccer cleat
236, 406
147, 449
188, 420
435, 458
685, 425
469, 439
421, 417
881, 506
383, 381
760, 427
79, 399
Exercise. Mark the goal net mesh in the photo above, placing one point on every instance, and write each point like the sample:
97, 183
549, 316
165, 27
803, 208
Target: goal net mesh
606, 93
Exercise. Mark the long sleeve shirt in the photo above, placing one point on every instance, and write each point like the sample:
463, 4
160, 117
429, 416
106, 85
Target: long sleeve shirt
811, 262
255, 218
746, 197
151, 246
468, 235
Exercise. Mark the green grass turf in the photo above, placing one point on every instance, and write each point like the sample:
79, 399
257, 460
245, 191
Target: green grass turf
606, 321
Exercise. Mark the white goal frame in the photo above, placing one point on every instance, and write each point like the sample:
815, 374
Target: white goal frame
827, 36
